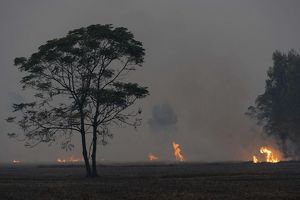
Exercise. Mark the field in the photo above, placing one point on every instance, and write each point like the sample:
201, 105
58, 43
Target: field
153, 181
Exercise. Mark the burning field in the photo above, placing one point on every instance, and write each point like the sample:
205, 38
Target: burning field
266, 176
266, 155
153, 181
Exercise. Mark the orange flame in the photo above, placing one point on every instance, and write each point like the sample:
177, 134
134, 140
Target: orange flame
255, 160
270, 157
177, 152
70, 160
152, 157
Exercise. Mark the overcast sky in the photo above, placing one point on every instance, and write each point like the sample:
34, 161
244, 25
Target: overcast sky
205, 63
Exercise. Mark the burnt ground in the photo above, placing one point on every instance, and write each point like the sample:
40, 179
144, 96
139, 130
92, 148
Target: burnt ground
153, 181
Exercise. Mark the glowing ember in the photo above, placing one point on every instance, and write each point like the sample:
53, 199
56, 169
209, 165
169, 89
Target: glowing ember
270, 157
70, 160
16, 161
177, 152
152, 157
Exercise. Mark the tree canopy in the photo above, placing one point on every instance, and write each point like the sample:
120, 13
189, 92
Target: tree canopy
79, 84
277, 110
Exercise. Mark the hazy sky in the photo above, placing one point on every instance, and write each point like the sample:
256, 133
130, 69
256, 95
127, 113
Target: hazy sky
206, 62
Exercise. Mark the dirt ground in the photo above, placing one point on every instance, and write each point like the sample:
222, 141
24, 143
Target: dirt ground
153, 181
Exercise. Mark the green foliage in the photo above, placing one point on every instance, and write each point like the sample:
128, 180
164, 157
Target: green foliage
75, 80
278, 108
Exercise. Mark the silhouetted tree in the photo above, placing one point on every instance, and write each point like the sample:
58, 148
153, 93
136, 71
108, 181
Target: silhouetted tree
278, 108
79, 86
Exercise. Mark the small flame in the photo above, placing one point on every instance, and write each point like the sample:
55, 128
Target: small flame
255, 160
152, 157
177, 152
70, 160
16, 162
61, 161
269, 155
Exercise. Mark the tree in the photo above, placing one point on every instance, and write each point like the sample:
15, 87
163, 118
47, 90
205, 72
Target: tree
79, 85
277, 110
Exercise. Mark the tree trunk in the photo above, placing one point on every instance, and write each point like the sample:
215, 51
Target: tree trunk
94, 152
85, 156
83, 142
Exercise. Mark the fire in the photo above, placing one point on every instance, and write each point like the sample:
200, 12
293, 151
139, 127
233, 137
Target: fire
255, 160
177, 152
61, 161
152, 157
16, 162
270, 157
70, 160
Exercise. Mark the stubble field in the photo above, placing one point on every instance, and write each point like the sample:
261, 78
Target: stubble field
153, 181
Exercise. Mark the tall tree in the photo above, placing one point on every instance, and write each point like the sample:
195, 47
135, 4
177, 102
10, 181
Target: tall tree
79, 84
277, 110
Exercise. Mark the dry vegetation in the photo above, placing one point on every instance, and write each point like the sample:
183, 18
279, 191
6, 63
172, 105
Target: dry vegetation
156, 181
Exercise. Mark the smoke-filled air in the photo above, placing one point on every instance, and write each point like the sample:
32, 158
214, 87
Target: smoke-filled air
205, 63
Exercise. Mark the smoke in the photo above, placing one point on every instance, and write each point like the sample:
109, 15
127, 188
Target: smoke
206, 59
163, 119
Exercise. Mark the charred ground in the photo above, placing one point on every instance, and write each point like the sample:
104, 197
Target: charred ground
156, 181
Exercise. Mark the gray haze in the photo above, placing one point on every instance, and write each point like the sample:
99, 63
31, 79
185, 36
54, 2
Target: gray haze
163, 119
207, 60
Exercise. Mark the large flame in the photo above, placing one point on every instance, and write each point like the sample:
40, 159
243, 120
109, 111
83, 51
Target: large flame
270, 157
177, 152
152, 157
69, 160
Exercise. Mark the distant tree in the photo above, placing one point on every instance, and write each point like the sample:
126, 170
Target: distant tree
277, 110
79, 85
